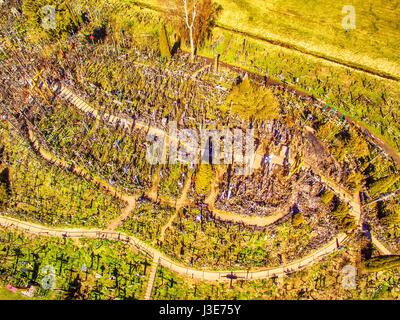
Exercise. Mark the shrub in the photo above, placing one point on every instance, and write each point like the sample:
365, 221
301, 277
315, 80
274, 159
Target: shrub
252, 102
203, 179
297, 219
327, 197
391, 216
383, 185
343, 218
382, 263
357, 146
354, 181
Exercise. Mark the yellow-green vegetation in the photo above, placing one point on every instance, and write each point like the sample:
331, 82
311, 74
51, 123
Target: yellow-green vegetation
41, 24
6, 294
316, 26
369, 99
165, 47
84, 268
45, 193
124, 76
253, 102
146, 220
391, 216
382, 263
343, 141
297, 219
77, 138
172, 179
140, 24
383, 185
322, 281
327, 196
197, 239
203, 178
344, 220
354, 181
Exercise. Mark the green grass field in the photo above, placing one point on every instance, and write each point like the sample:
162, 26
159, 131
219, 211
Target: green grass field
315, 27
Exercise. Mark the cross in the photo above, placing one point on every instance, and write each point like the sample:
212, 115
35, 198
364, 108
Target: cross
232, 277
116, 143
172, 282
125, 170
146, 264
71, 271
62, 260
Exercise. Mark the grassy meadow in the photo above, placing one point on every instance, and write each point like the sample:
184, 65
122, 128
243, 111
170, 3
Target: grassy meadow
315, 27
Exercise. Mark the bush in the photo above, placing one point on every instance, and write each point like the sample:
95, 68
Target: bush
297, 219
382, 263
354, 181
252, 102
343, 218
391, 216
204, 178
327, 197
383, 185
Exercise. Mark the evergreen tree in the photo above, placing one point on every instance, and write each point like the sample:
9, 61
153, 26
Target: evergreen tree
165, 47
3, 196
343, 218
383, 185
203, 179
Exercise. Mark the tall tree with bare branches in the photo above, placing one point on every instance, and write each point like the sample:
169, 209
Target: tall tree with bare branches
193, 19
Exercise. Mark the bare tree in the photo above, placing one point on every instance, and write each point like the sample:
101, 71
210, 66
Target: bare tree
186, 12
190, 16
193, 19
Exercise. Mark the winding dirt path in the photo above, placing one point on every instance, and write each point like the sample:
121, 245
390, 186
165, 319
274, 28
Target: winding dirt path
154, 253
167, 262
153, 193
125, 213
344, 195
164, 260
180, 203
